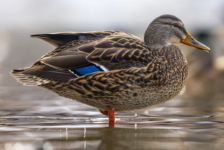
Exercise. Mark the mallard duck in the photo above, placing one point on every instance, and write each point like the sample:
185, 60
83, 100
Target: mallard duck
114, 70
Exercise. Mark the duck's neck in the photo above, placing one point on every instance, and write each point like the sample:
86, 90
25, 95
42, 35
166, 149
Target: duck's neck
155, 37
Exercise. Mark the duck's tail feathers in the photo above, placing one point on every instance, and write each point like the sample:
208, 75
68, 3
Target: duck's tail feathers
27, 79
62, 38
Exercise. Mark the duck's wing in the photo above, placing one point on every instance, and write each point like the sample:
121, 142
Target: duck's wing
85, 53
106, 48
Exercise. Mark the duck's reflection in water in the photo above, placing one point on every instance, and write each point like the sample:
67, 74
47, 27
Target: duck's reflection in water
210, 137
194, 128
118, 138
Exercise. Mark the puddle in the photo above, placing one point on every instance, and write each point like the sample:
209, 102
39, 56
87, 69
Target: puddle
64, 124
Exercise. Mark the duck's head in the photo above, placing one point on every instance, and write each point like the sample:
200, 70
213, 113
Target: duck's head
168, 29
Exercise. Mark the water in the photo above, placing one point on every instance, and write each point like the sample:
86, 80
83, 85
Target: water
65, 124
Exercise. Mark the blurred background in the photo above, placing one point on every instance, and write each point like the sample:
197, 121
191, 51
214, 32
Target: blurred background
204, 19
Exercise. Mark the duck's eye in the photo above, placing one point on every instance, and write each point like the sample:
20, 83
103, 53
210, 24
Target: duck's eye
176, 25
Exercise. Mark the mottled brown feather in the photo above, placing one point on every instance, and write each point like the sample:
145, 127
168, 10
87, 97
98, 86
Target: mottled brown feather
137, 76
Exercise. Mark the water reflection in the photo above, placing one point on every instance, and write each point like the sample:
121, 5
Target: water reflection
54, 126
117, 138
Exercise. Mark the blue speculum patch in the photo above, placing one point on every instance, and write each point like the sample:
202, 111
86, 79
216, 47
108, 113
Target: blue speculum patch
86, 70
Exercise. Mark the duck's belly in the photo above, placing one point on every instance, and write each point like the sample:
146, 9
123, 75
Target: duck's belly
136, 99
140, 98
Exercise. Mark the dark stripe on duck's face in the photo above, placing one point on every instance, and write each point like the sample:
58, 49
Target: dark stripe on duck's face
86, 70
182, 29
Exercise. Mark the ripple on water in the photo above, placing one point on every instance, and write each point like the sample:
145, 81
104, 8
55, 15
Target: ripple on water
70, 125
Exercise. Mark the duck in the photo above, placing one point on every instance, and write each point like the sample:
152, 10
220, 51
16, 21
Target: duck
113, 70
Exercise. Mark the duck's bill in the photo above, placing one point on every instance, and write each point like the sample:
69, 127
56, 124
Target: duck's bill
189, 40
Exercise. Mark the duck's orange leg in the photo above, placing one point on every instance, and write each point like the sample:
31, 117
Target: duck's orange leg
110, 114
111, 117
